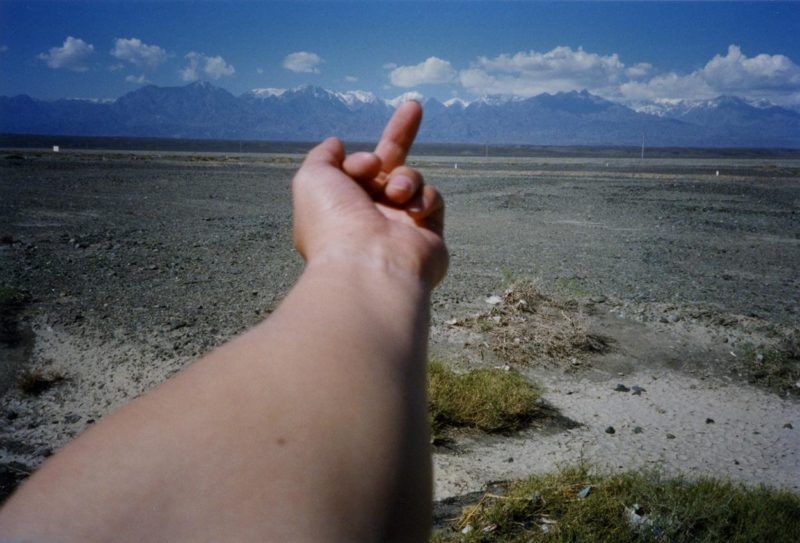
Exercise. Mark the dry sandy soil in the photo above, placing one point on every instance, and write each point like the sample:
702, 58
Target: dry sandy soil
133, 264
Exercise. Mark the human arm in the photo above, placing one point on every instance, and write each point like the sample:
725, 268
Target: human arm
312, 425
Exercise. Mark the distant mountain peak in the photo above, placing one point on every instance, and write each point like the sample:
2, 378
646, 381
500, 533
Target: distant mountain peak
355, 97
309, 113
266, 92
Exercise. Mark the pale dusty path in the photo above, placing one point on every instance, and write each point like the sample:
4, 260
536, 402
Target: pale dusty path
747, 441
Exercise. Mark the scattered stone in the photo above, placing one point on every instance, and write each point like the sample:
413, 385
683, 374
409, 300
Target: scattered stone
494, 300
670, 436
710, 421
674, 317
637, 390
788, 426
509, 459
12, 415
611, 430
621, 388
638, 430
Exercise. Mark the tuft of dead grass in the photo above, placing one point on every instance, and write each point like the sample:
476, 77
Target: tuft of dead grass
531, 328
490, 400
13, 297
35, 382
576, 504
775, 368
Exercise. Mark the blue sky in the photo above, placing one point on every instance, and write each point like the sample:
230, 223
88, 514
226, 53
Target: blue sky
624, 51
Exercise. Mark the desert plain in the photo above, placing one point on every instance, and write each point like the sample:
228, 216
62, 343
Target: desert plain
120, 268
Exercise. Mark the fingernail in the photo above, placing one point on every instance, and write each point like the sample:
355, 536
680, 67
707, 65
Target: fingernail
416, 207
401, 183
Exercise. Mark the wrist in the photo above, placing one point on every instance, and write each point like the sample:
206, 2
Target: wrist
372, 263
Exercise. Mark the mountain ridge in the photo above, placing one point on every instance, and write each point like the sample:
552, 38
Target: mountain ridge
205, 111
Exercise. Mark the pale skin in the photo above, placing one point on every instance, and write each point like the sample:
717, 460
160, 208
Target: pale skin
312, 426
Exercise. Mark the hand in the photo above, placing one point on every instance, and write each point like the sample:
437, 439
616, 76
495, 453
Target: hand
369, 208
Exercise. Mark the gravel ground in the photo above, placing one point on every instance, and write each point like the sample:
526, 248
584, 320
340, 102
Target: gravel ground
136, 263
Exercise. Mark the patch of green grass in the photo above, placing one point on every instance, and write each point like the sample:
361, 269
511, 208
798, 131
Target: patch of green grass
628, 507
775, 368
490, 400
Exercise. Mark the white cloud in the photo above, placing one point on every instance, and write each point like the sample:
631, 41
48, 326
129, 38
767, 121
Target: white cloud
671, 86
199, 63
216, 67
389, 66
735, 72
351, 79
433, 71
138, 80
639, 70
259, 71
531, 73
405, 97
70, 56
772, 77
140, 54
303, 62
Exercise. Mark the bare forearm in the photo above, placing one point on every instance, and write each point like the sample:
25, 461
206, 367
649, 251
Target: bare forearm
314, 422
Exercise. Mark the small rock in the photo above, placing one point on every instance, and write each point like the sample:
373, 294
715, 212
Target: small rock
509, 460
674, 317
12, 415
585, 491
710, 421
467, 529
494, 300
670, 436
638, 430
611, 430
637, 390
788, 426
637, 516
72, 418
621, 388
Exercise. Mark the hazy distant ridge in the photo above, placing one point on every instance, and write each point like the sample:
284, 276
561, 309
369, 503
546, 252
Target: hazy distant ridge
201, 110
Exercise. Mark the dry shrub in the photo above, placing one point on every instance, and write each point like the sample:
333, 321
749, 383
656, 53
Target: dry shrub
775, 368
530, 328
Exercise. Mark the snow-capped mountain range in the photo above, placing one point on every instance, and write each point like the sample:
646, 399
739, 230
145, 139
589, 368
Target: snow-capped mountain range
202, 110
